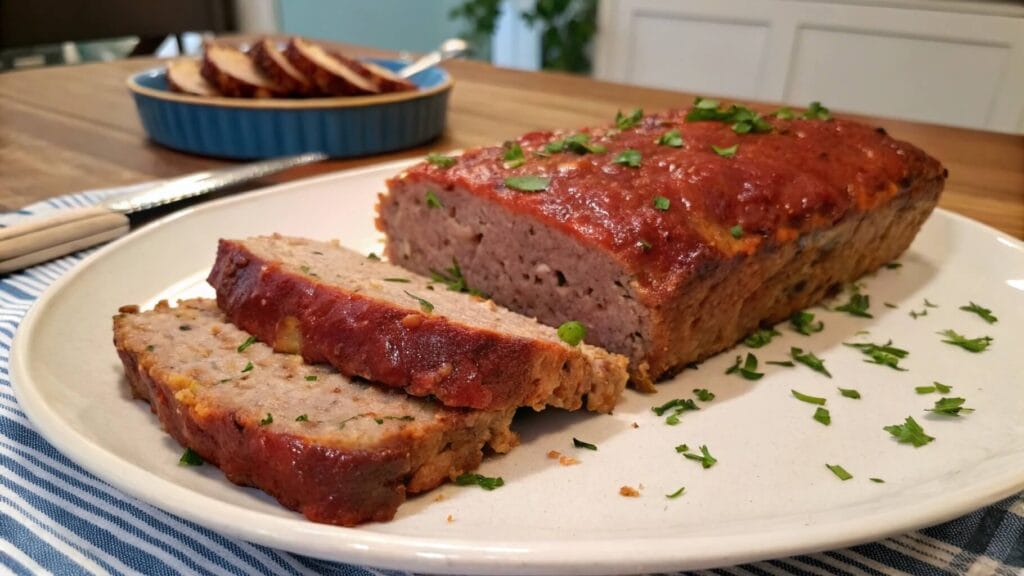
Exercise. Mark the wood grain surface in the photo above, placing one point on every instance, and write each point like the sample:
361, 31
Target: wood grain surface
72, 128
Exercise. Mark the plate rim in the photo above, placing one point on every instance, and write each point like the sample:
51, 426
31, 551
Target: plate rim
390, 551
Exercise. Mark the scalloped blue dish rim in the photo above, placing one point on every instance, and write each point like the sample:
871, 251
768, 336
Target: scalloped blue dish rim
246, 128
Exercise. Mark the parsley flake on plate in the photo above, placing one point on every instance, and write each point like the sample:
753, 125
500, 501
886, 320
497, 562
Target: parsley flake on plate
950, 406
761, 337
883, 354
839, 471
810, 360
747, 368
480, 480
935, 387
704, 395
822, 415
910, 432
803, 322
857, 306
576, 442
985, 313
970, 344
850, 393
807, 398
190, 458
572, 332
676, 494
705, 458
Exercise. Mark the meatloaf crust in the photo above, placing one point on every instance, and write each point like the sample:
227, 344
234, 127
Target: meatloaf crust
337, 451
668, 249
380, 322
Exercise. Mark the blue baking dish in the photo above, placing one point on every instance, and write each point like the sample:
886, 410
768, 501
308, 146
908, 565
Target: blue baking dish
262, 128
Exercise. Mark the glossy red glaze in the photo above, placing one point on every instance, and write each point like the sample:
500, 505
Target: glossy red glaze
803, 175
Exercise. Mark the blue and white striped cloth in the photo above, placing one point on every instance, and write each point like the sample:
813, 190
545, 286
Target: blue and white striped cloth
57, 518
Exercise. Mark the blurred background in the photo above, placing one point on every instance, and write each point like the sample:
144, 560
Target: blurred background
955, 62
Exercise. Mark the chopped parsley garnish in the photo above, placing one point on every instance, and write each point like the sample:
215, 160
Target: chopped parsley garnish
248, 342
661, 203
910, 432
705, 458
809, 399
985, 313
743, 119
857, 306
628, 157
736, 231
704, 395
576, 442
822, 415
850, 393
380, 419
432, 200
623, 122
644, 245
248, 367
311, 378
877, 480
893, 265
970, 344
747, 369
190, 458
528, 183
810, 360
513, 156
760, 337
916, 315
883, 354
399, 280
676, 494
929, 304
425, 306
803, 322
816, 112
580, 144
785, 363
671, 138
373, 256
572, 332
785, 113
950, 406
678, 404
184, 327
440, 160
268, 419
302, 418
839, 471
890, 305
150, 347
307, 270
935, 387
480, 480
454, 280
727, 152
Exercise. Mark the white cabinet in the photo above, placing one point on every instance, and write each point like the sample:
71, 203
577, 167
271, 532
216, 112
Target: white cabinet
957, 63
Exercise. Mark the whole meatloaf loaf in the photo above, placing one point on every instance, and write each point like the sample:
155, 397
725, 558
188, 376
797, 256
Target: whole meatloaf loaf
670, 236
338, 451
396, 329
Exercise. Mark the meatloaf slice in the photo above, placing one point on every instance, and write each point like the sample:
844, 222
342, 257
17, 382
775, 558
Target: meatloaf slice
338, 451
670, 238
233, 73
183, 76
383, 323
329, 74
272, 62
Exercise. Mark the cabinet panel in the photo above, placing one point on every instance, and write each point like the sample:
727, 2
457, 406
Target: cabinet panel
932, 79
695, 54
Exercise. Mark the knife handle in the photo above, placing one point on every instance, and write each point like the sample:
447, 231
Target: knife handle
43, 238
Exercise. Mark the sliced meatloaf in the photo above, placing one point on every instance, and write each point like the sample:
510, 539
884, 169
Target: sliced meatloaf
338, 451
383, 323
233, 73
669, 237
272, 62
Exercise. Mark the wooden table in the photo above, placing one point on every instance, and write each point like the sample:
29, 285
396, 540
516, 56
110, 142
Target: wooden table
73, 128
